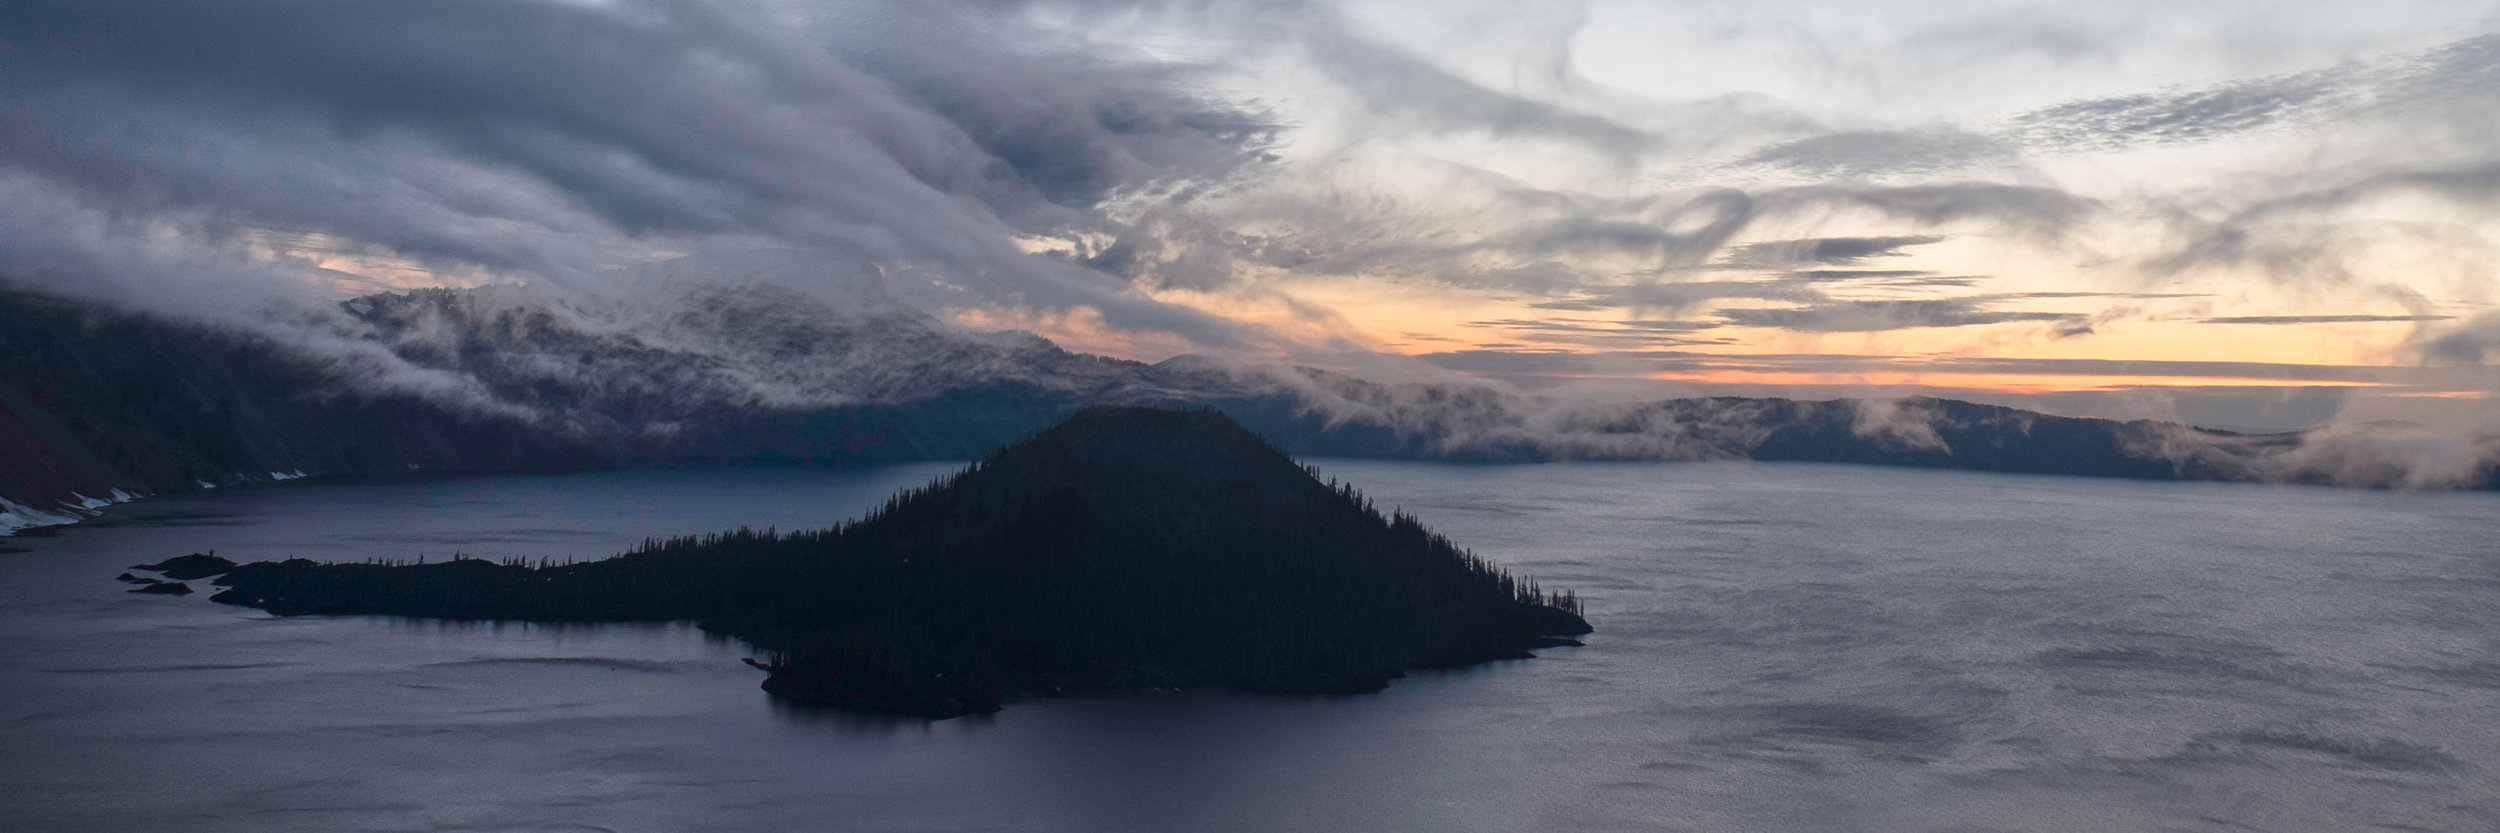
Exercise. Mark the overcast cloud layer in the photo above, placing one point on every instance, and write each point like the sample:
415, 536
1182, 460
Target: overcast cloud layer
1831, 188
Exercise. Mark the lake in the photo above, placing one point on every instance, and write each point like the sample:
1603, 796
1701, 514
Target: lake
1778, 648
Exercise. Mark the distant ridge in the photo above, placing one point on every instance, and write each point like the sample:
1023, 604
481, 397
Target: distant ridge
1124, 549
98, 405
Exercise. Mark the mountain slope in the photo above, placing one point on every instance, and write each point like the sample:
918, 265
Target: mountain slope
95, 402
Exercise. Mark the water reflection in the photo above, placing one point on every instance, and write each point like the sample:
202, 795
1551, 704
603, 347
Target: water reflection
852, 721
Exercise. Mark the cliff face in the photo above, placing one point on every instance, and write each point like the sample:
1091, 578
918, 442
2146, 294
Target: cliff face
96, 405
43, 477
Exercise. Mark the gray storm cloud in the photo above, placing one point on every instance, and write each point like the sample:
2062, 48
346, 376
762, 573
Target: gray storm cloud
1868, 316
198, 157
555, 141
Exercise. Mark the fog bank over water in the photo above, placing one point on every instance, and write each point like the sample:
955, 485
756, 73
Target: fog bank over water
758, 345
700, 370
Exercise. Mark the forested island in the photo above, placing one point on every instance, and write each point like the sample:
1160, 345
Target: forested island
1123, 549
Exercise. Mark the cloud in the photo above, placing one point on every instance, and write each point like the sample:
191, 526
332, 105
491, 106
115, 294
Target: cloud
1864, 153
2032, 209
2334, 195
1136, 168
1843, 275
2424, 84
2321, 319
1607, 333
556, 141
1873, 316
1485, 423
2472, 342
2366, 455
1412, 90
1678, 296
1833, 251
547, 141
2401, 378
2194, 115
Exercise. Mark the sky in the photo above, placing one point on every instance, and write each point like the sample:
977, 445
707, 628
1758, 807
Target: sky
2246, 214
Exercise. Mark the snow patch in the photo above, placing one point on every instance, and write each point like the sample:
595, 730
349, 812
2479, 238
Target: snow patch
203, 483
15, 516
287, 475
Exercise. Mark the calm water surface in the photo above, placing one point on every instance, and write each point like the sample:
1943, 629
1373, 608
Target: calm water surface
1779, 648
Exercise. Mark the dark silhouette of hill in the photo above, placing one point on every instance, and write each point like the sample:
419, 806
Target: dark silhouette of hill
188, 567
1123, 549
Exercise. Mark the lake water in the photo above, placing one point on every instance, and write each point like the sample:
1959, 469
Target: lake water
1778, 648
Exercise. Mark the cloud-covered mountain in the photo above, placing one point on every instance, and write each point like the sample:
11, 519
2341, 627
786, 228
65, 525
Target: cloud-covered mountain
1256, 178
97, 403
